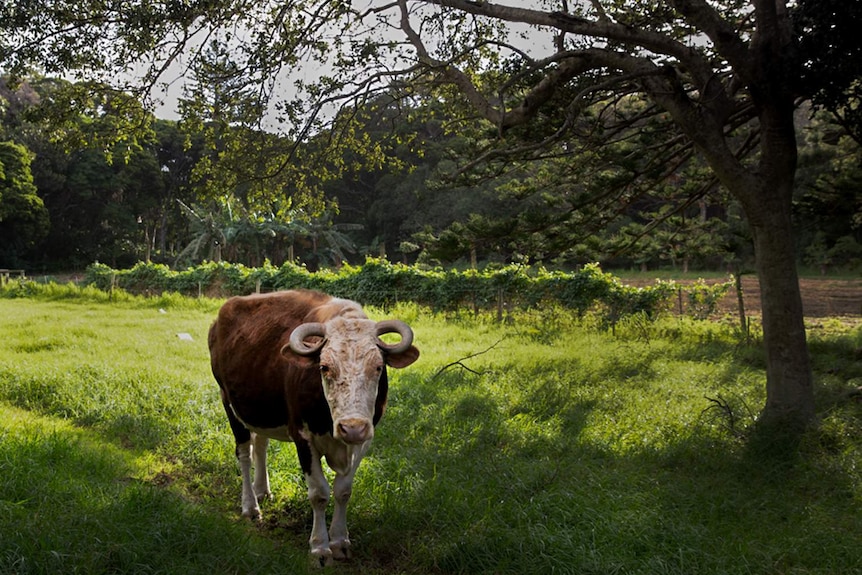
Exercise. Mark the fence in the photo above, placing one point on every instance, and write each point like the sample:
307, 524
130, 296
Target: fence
6, 274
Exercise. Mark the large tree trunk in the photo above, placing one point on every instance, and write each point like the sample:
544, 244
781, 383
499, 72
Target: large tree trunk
789, 381
789, 388
766, 192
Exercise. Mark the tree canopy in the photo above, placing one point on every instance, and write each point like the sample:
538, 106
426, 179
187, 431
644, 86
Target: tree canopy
23, 217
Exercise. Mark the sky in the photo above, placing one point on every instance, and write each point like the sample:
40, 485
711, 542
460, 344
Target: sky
166, 96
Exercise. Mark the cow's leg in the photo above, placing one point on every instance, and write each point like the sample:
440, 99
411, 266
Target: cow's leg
261, 474
244, 440
339, 540
318, 496
344, 461
250, 508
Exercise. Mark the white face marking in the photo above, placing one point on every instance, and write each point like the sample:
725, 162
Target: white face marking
350, 366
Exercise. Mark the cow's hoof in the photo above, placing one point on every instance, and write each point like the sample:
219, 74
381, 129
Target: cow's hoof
321, 558
252, 514
341, 550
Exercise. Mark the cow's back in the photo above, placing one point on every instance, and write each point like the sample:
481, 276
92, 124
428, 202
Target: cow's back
245, 345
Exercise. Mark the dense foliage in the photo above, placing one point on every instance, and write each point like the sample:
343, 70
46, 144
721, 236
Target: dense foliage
381, 283
184, 193
23, 217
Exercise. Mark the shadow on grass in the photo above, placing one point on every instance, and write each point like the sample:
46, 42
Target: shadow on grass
69, 502
465, 481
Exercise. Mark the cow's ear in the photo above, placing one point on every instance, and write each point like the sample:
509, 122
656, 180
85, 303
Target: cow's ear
402, 359
303, 361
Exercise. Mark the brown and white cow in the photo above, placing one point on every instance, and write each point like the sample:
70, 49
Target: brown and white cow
305, 367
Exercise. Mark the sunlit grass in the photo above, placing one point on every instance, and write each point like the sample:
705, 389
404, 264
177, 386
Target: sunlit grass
541, 445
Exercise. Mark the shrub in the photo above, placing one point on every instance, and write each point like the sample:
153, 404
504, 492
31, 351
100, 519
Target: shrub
383, 284
703, 298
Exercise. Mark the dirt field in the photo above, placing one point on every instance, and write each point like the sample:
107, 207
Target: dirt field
820, 297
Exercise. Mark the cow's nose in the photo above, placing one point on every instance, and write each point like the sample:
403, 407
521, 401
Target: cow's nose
354, 430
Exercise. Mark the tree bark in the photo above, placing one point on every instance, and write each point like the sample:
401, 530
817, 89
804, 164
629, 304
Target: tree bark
740, 304
789, 380
789, 389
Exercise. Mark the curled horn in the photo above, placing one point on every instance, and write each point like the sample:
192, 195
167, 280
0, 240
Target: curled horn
395, 326
297, 338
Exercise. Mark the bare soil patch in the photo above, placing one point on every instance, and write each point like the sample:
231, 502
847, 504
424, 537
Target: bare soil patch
821, 297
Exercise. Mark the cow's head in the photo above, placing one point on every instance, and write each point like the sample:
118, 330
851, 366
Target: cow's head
351, 358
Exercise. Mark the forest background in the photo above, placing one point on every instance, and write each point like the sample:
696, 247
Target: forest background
189, 191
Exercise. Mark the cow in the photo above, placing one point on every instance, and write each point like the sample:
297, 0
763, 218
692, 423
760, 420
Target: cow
305, 367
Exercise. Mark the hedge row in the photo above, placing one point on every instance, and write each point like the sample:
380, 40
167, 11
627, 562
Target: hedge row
381, 283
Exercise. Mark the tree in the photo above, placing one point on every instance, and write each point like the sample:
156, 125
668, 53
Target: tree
724, 73
163, 223
714, 79
719, 80
208, 235
100, 200
23, 217
828, 204
828, 32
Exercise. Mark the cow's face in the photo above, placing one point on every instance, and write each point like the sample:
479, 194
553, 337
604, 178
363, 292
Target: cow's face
351, 359
350, 367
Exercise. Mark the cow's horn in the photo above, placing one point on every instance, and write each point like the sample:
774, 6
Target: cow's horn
297, 338
395, 326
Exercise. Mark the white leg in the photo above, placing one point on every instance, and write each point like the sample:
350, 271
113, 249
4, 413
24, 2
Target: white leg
250, 507
318, 495
261, 475
339, 540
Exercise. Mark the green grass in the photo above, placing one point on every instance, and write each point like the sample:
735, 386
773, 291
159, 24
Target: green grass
555, 449
73, 502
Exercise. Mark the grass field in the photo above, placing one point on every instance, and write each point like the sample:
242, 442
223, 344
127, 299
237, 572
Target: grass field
555, 449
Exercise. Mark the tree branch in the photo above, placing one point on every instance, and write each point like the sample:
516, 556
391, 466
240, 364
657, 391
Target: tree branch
460, 362
722, 33
603, 28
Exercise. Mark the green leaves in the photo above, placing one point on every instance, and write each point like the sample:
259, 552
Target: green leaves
831, 57
78, 115
384, 284
23, 217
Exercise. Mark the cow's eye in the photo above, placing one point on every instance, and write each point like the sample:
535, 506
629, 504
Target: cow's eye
324, 369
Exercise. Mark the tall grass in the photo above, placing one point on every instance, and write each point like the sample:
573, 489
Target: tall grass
539, 446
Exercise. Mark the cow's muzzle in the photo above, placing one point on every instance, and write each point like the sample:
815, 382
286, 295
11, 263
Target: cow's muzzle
354, 430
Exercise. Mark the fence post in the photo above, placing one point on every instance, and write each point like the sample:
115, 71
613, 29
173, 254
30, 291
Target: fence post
740, 304
257, 286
